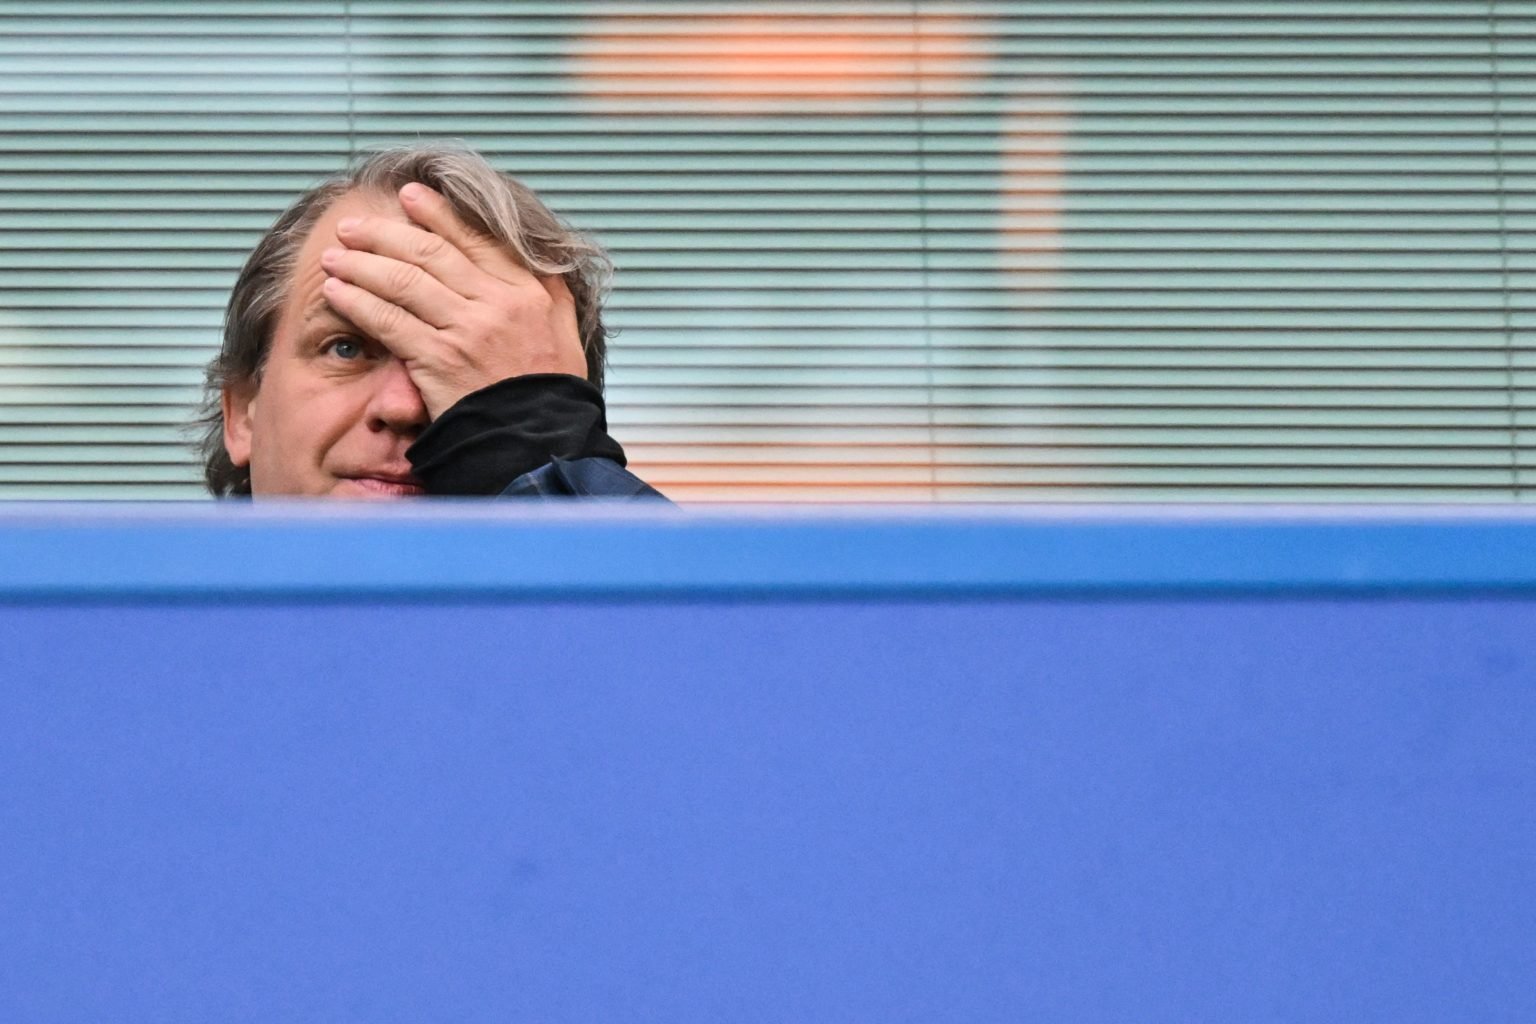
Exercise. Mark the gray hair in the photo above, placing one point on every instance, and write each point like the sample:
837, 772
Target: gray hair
484, 198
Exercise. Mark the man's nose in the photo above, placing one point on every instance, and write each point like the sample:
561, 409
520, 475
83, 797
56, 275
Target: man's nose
395, 404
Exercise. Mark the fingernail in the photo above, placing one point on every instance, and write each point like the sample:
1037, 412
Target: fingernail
348, 223
412, 191
330, 256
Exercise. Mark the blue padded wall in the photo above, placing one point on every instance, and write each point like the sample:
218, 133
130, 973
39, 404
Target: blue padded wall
523, 800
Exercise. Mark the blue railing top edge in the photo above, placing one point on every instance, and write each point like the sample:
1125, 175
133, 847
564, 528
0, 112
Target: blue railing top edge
427, 551
589, 509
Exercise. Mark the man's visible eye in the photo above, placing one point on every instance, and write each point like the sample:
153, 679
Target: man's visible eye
344, 347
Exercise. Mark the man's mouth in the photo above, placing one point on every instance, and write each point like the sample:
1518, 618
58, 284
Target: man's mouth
388, 485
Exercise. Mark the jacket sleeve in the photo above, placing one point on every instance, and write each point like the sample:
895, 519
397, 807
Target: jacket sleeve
539, 435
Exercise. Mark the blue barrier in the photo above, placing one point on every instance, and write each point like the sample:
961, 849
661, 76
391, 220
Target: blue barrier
589, 764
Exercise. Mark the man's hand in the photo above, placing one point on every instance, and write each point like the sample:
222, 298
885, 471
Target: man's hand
454, 306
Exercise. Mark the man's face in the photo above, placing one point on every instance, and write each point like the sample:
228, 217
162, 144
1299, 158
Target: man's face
334, 411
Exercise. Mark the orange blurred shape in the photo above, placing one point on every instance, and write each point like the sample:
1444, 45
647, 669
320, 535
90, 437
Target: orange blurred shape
728, 57
1032, 197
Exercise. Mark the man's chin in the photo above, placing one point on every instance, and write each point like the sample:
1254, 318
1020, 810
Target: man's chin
370, 488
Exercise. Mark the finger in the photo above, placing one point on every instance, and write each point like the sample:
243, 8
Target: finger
404, 243
388, 324
429, 209
406, 285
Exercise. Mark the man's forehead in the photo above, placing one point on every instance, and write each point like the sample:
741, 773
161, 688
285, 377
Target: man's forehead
314, 311
320, 314
309, 297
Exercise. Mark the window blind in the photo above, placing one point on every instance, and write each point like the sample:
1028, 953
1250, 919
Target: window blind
931, 251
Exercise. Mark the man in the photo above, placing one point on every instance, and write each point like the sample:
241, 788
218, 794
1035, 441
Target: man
418, 325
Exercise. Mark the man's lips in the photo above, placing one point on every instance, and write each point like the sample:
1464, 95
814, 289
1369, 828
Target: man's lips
390, 485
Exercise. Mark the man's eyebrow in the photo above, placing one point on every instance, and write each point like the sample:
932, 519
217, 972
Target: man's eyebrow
323, 313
